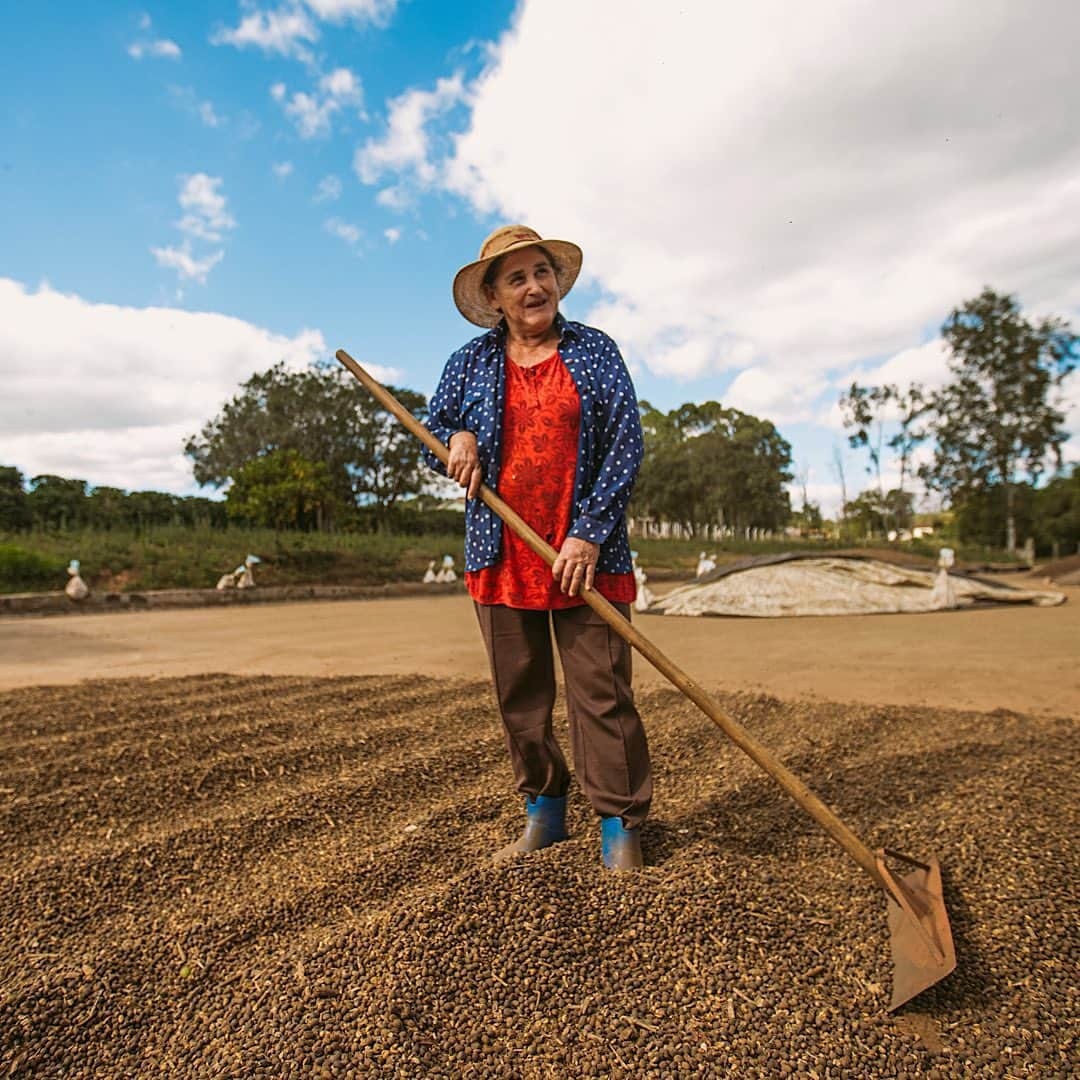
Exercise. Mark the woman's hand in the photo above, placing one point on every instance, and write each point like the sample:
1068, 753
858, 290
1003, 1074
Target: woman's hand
464, 464
575, 567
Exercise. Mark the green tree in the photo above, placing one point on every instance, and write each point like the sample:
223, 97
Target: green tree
198, 511
1057, 514
865, 514
868, 410
106, 508
325, 416
863, 410
146, 509
56, 502
997, 422
705, 464
14, 507
281, 490
982, 512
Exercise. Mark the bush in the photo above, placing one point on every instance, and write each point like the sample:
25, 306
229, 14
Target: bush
22, 570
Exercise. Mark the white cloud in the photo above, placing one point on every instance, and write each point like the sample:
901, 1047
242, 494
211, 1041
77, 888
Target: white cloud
341, 85
753, 193
373, 11
206, 215
282, 31
392, 235
782, 396
187, 267
281, 169
329, 189
187, 99
205, 218
406, 145
208, 116
135, 381
344, 230
394, 198
161, 48
926, 364
313, 113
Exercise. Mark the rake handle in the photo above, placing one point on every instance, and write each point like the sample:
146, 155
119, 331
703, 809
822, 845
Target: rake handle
625, 629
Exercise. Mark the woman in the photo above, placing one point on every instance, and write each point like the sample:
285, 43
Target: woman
544, 410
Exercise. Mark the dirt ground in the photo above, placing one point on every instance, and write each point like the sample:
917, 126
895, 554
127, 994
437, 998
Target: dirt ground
1022, 658
281, 877
255, 842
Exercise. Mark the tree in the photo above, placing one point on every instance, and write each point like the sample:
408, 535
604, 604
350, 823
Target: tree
1057, 514
864, 512
281, 490
387, 463
705, 465
912, 405
997, 422
14, 507
56, 502
839, 471
324, 416
863, 410
149, 508
107, 508
867, 409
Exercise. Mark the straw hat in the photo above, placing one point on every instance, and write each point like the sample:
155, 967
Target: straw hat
469, 280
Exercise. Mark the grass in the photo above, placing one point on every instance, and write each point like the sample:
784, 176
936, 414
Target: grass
29, 570
178, 557
181, 557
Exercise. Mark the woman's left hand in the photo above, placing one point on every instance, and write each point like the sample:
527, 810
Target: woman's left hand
575, 566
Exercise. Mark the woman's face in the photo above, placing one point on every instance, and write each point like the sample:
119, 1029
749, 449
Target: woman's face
526, 291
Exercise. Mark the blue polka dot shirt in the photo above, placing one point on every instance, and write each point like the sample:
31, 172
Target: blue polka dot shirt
471, 396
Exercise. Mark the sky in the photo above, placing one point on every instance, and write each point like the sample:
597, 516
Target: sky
773, 199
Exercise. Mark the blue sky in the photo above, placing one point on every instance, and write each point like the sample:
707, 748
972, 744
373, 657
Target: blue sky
194, 191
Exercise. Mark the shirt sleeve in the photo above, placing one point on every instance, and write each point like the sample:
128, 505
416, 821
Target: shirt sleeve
444, 410
620, 449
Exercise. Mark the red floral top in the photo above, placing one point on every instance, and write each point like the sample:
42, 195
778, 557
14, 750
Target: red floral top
539, 453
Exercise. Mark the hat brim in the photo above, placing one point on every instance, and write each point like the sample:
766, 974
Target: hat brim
469, 280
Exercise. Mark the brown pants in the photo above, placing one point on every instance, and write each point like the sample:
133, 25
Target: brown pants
611, 754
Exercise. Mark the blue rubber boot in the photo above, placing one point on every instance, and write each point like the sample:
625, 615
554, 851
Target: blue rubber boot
545, 824
621, 847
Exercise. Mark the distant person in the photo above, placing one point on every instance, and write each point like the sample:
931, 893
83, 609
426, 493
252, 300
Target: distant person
544, 409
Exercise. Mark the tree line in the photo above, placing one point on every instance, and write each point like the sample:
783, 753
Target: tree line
311, 450
60, 504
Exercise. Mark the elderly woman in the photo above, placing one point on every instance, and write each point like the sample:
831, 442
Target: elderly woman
543, 410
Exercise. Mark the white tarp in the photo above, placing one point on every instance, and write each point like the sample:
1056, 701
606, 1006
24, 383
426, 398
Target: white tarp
836, 585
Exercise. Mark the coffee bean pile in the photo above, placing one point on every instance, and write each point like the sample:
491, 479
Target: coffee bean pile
279, 877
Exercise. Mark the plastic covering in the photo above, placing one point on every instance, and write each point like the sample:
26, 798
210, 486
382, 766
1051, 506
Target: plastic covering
836, 585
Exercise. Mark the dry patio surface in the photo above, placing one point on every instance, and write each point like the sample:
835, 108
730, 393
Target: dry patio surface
1027, 659
287, 875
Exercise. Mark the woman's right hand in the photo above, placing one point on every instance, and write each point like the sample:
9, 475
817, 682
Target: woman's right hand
464, 464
